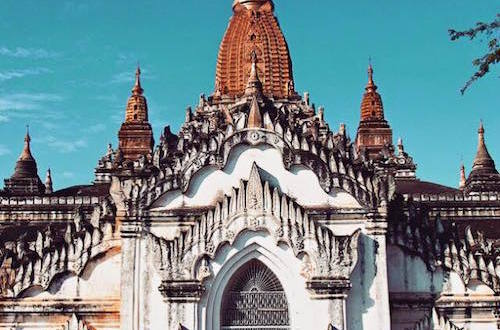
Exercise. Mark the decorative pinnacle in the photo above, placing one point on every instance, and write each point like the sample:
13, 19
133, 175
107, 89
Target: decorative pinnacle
371, 85
26, 153
254, 117
137, 90
254, 85
48, 182
481, 130
483, 160
462, 177
401, 147
251, 4
27, 138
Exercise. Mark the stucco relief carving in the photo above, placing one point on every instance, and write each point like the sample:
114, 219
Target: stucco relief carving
435, 321
37, 255
254, 206
302, 138
75, 323
468, 253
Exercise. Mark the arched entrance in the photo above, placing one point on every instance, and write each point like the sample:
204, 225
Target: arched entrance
254, 299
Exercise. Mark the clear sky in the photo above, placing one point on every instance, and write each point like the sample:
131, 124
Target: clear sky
67, 67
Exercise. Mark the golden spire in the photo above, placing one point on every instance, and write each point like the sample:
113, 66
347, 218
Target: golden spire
372, 107
371, 85
137, 90
137, 108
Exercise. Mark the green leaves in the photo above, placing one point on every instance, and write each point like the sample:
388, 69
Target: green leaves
491, 57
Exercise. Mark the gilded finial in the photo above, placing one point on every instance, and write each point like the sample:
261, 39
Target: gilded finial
463, 179
137, 90
27, 138
371, 84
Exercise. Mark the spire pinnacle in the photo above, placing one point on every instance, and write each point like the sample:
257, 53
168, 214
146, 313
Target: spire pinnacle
462, 177
401, 148
48, 182
254, 117
26, 153
483, 160
371, 84
135, 138
483, 176
254, 85
137, 90
374, 132
251, 4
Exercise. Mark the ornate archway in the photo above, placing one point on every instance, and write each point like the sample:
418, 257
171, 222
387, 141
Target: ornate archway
254, 299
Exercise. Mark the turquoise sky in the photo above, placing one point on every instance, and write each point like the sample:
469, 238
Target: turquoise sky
67, 67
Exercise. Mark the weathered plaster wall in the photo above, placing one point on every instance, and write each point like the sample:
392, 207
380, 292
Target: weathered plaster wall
366, 301
412, 288
409, 273
94, 297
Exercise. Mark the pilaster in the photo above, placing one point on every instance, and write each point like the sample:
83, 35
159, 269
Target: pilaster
335, 291
182, 298
375, 254
130, 272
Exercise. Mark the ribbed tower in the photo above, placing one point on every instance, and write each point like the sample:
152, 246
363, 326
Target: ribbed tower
136, 136
484, 176
25, 180
374, 133
254, 32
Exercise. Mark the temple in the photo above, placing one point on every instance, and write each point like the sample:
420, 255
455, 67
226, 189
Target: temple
256, 214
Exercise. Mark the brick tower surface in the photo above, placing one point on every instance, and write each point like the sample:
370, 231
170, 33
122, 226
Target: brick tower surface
136, 135
374, 132
254, 31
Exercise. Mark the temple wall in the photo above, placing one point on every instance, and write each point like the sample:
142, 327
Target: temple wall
411, 288
304, 312
367, 299
409, 273
94, 298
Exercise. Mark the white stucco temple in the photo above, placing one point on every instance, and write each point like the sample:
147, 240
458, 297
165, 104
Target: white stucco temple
256, 215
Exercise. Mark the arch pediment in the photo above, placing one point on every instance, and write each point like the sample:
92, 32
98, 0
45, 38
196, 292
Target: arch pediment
333, 161
255, 207
299, 182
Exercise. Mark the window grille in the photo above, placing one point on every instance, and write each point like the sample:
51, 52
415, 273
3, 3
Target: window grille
254, 300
